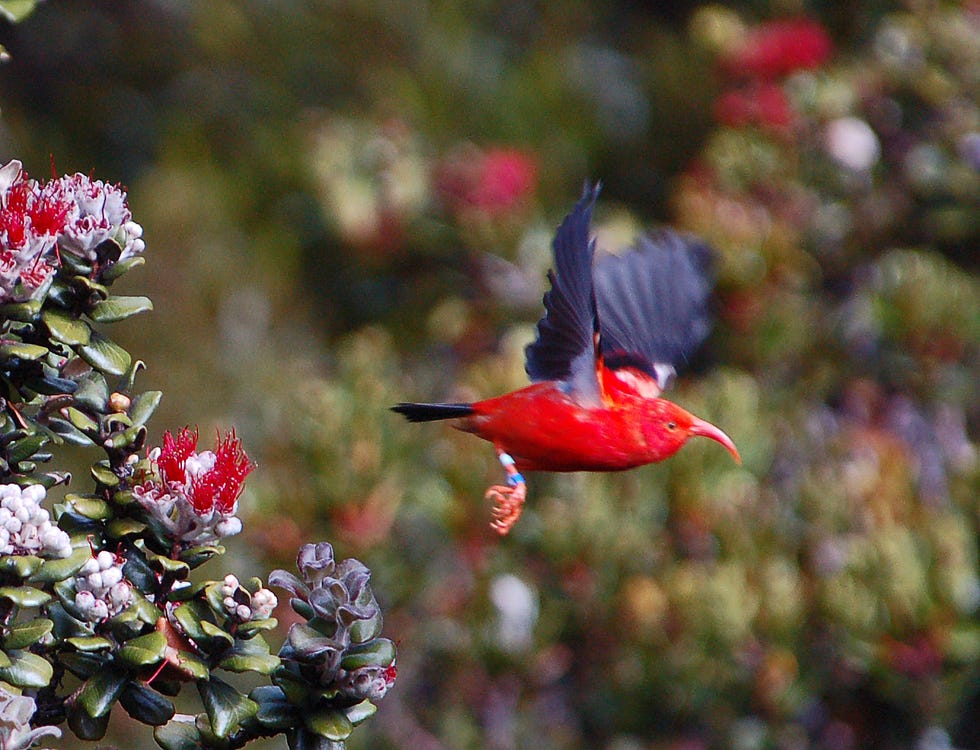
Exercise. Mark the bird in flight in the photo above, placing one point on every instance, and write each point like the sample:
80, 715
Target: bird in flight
615, 327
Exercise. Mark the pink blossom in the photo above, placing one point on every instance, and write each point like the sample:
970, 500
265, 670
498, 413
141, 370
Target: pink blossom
492, 182
194, 494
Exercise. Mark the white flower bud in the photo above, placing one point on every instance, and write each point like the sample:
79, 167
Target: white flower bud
112, 576
229, 604
120, 596
228, 526
243, 612
106, 559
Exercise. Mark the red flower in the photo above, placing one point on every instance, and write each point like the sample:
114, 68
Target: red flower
210, 480
174, 454
492, 182
778, 48
220, 486
764, 104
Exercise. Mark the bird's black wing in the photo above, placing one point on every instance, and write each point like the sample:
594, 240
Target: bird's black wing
565, 346
653, 303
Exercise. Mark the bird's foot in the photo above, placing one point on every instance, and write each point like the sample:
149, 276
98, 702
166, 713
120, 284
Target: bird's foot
508, 502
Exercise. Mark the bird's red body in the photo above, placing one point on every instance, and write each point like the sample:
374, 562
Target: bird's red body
611, 334
546, 429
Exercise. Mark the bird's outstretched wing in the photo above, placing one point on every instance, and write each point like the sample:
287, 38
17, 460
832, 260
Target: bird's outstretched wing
565, 345
653, 303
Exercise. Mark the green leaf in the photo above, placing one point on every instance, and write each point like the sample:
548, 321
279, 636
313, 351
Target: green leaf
25, 596
193, 666
113, 271
59, 570
80, 420
226, 707
117, 528
27, 633
275, 711
144, 405
94, 508
178, 735
189, 616
21, 450
105, 355
146, 705
23, 312
20, 350
82, 665
92, 392
360, 712
362, 631
89, 643
26, 670
218, 638
330, 723
17, 10
66, 329
87, 727
119, 308
102, 690
4, 660
250, 656
104, 475
143, 651
21, 566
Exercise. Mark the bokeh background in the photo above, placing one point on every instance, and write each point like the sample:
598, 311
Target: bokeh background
348, 204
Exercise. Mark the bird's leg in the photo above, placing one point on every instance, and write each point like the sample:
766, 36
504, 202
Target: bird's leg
508, 501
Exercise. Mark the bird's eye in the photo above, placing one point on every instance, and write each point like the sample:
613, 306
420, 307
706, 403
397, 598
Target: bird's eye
672, 426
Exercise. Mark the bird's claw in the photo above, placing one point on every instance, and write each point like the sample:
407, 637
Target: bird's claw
508, 502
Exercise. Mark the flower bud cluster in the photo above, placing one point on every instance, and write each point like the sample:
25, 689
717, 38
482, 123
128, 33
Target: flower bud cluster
243, 606
74, 214
101, 590
338, 649
26, 527
16, 732
193, 495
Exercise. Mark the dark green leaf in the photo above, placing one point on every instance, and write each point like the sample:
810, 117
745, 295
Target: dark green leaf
119, 308
143, 651
144, 405
189, 616
21, 566
93, 392
66, 329
24, 312
105, 355
362, 631
250, 656
25, 596
89, 643
329, 723
68, 432
377, 653
20, 350
146, 705
97, 510
102, 690
87, 727
60, 570
82, 665
26, 670
28, 633
225, 706
20, 450
178, 735
113, 271
117, 528
275, 711
104, 475
80, 420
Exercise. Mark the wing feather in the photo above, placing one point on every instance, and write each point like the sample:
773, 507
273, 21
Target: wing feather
652, 303
564, 349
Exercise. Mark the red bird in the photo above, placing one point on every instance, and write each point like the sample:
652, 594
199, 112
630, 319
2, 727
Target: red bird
613, 329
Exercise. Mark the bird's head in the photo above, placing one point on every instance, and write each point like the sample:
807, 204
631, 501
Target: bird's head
666, 427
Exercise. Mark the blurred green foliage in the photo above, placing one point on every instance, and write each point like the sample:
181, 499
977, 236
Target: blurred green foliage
311, 179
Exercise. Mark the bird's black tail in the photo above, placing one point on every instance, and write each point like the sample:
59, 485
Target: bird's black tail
432, 412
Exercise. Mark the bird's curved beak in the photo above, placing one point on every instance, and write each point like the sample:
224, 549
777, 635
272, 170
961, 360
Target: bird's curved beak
708, 430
